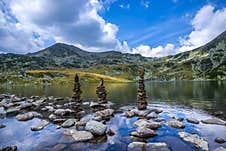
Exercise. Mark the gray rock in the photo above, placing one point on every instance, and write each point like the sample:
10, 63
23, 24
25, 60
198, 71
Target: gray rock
159, 146
97, 118
152, 115
175, 123
144, 132
214, 121
50, 108
2, 126
136, 146
62, 112
11, 111
95, 127
195, 140
220, 149
79, 135
141, 113
219, 140
25, 105
69, 123
40, 126
192, 120
105, 113
148, 124
27, 116
129, 114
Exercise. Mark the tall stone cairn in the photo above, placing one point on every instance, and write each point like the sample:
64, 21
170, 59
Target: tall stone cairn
77, 92
101, 92
141, 93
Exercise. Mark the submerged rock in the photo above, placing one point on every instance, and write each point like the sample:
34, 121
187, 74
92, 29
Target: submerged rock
95, 127
220, 149
214, 121
27, 116
79, 135
219, 140
175, 123
144, 132
192, 120
195, 140
9, 148
40, 126
69, 123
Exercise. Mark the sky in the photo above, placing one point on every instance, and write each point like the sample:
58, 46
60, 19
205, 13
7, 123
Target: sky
152, 28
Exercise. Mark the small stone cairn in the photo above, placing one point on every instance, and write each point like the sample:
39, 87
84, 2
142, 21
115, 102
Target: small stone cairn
101, 92
141, 93
77, 91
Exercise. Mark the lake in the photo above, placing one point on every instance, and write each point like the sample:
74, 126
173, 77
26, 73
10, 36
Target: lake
180, 99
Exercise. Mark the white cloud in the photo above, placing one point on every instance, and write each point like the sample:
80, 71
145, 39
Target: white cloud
159, 51
71, 21
207, 24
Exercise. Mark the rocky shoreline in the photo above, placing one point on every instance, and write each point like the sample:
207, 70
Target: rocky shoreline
88, 121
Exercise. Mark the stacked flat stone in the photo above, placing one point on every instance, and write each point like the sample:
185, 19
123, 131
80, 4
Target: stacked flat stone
101, 92
141, 93
77, 92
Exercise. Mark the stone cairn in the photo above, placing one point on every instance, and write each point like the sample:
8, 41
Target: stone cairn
77, 92
101, 92
141, 93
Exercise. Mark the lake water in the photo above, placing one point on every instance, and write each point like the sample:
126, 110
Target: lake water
176, 99
209, 96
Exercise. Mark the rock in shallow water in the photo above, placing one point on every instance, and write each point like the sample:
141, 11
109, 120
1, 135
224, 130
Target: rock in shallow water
62, 112
195, 140
148, 124
105, 113
192, 120
219, 140
40, 126
140, 146
144, 132
79, 135
95, 127
214, 121
69, 123
27, 116
175, 123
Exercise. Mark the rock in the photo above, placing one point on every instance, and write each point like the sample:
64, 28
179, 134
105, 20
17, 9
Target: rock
79, 135
136, 146
220, 149
148, 124
175, 123
12, 111
25, 105
59, 120
52, 117
159, 146
62, 112
69, 123
105, 114
101, 92
2, 125
129, 114
9, 148
50, 108
40, 126
111, 132
195, 140
141, 113
157, 111
27, 116
152, 115
144, 132
218, 113
192, 120
95, 127
141, 93
97, 118
214, 121
219, 140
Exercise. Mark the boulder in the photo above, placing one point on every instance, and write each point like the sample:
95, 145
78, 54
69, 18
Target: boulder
175, 123
158, 146
219, 140
40, 126
195, 140
25, 105
105, 113
192, 120
27, 116
136, 146
79, 135
52, 117
148, 124
220, 149
144, 132
69, 123
95, 127
214, 121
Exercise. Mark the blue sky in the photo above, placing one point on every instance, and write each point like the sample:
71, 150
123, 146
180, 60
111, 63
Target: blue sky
153, 28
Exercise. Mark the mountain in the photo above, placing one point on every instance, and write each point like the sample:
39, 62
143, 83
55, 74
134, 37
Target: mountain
206, 62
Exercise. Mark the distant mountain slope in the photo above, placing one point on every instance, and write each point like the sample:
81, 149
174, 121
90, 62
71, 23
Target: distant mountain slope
206, 62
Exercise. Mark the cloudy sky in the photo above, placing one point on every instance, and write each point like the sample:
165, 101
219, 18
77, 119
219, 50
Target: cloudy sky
153, 28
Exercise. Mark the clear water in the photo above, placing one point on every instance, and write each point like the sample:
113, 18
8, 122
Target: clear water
177, 99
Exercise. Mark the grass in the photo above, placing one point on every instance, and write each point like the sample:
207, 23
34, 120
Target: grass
68, 74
